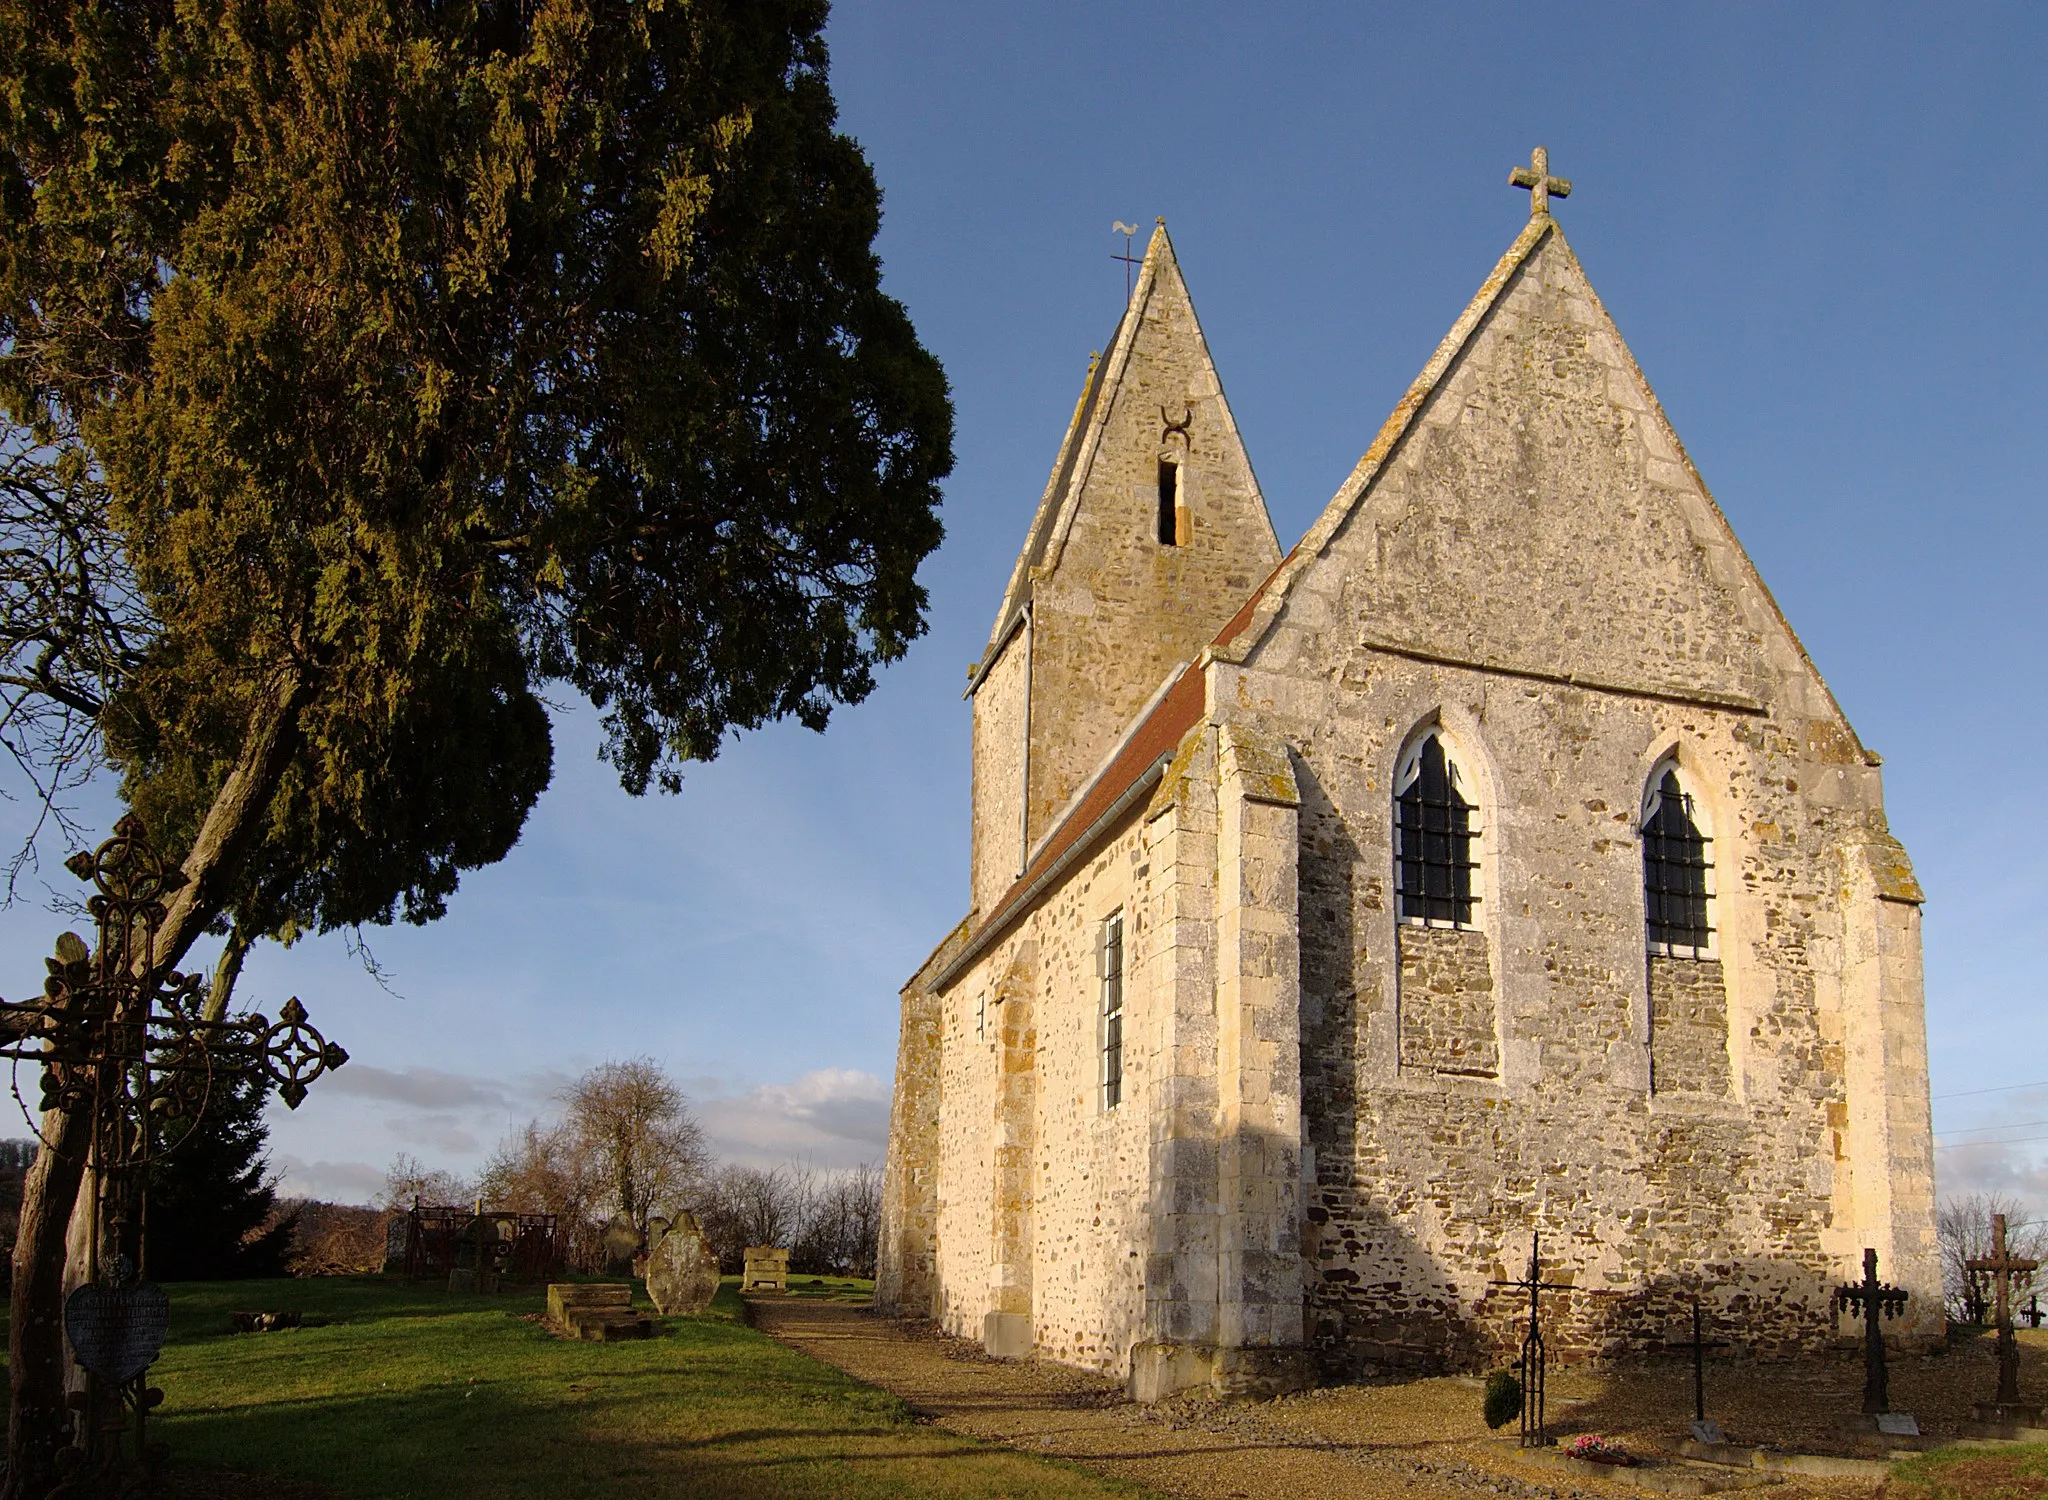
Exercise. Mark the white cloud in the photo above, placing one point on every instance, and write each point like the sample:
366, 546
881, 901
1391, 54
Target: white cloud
330, 1181
2001, 1150
833, 1117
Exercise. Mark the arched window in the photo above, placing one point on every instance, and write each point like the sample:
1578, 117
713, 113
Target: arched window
1678, 869
1433, 832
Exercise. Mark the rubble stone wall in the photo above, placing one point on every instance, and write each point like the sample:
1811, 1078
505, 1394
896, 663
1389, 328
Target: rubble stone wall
1449, 1022
1537, 568
1688, 1026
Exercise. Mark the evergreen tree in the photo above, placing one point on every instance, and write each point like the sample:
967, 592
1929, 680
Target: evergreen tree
385, 364
211, 1192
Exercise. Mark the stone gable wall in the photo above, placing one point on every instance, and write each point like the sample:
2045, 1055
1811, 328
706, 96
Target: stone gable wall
1536, 534
1114, 610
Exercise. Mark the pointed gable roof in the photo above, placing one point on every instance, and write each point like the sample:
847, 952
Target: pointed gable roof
1253, 622
1159, 276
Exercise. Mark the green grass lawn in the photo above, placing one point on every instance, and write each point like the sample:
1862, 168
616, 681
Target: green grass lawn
1972, 1474
411, 1391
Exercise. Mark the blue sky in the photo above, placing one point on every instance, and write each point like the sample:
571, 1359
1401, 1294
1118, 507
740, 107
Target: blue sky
1820, 229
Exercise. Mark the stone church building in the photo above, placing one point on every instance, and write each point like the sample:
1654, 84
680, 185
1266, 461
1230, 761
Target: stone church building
1494, 863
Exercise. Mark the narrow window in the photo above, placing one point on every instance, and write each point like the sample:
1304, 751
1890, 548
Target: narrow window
981, 1018
1169, 501
1433, 829
1676, 870
1112, 967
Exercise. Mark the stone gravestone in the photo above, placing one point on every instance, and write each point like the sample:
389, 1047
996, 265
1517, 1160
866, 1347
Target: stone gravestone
682, 1273
621, 1241
767, 1270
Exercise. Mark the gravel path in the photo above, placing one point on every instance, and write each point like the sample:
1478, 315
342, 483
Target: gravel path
1419, 1441
1409, 1439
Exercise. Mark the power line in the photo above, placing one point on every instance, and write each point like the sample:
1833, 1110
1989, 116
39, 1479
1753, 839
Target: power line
2022, 1141
1980, 1129
2003, 1088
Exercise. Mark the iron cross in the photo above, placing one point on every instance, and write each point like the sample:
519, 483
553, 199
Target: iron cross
1537, 179
1874, 1299
1532, 1361
1699, 1346
2004, 1268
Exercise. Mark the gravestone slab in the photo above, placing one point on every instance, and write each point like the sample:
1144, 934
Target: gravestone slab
682, 1273
1898, 1423
117, 1332
596, 1312
767, 1269
1707, 1430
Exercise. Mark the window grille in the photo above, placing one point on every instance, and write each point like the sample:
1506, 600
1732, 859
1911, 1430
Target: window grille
1676, 872
1434, 832
1112, 970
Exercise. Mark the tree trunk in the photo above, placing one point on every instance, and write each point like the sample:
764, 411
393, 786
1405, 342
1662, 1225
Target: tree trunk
38, 1422
235, 820
44, 1264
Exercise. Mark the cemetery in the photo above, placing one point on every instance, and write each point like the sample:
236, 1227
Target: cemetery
1397, 978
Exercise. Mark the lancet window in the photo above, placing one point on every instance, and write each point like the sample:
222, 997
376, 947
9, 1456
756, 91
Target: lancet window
1111, 966
1435, 824
1678, 869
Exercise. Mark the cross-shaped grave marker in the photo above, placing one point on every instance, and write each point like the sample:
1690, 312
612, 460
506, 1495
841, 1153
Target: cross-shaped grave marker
1532, 1359
1537, 179
1874, 1299
2005, 1268
1702, 1430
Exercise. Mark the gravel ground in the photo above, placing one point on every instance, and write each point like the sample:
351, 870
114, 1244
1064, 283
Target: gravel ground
1402, 1439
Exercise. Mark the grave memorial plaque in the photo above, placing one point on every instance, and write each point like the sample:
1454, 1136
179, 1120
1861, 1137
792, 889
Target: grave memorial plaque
117, 1331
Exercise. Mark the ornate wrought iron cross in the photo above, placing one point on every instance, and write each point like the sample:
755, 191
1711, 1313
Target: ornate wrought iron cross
1532, 1360
1874, 1299
1541, 185
125, 1041
2005, 1269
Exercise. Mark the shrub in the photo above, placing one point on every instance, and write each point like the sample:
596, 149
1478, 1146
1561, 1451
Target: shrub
1503, 1398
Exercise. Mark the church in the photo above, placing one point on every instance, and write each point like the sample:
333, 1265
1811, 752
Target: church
1492, 869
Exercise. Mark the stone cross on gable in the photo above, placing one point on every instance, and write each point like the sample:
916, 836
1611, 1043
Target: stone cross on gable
1537, 179
2004, 1268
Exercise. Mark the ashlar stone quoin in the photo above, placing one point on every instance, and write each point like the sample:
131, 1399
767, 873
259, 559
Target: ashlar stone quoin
1336, 1123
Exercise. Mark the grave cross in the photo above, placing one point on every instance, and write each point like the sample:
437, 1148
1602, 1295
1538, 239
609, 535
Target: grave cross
2005, 1268
2034, 1309
1699, 1346
1532, 1358
1874, 1299
1537, 179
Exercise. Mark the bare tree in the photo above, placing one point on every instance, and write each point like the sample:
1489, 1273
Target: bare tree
1963, 1225
409, 1180
643, 1148
72, 626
